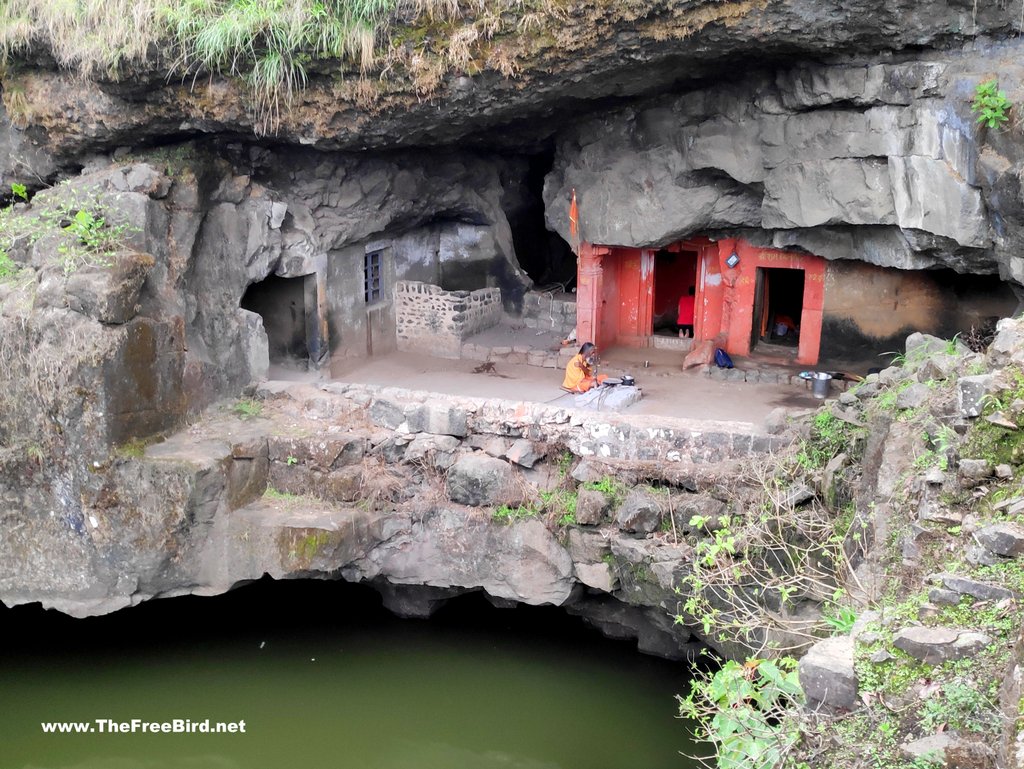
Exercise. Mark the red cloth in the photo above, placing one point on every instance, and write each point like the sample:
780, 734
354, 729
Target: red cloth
685, 317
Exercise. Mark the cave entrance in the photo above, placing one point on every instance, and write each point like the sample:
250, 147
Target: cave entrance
778, 306
288, 307
543, 255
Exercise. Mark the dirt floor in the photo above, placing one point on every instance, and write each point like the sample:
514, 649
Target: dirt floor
667, 391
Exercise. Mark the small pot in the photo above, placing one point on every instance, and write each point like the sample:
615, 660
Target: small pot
628, 381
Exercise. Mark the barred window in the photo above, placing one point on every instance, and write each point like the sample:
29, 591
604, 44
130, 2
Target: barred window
372, 277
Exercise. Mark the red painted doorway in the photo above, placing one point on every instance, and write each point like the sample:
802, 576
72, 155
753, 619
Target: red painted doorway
675, 273
778, 307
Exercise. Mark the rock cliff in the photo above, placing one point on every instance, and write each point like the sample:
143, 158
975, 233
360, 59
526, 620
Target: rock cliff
840, 128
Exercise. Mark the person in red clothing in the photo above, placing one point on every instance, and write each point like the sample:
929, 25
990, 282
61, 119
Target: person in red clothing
684, 320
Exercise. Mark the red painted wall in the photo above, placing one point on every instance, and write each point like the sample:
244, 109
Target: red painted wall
615, 295
729, 295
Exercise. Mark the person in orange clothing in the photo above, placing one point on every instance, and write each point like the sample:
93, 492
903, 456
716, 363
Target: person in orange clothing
579, 371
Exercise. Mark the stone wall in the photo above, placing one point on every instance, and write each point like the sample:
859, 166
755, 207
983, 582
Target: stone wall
430, 319
548, 311
667, 441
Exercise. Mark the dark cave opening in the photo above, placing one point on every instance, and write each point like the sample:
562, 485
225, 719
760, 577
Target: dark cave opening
321, 673
546, 258
281, 302
270, 608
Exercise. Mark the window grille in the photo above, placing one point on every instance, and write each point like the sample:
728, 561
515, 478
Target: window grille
372, 277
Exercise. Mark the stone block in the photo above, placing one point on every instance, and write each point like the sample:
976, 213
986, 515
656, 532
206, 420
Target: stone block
439, 418
827, 675
427, 446
387, 413
971, 390
1005, 539
525, 453
935, 645
640, 512
598, 576
477, 479
591, 507
981, 591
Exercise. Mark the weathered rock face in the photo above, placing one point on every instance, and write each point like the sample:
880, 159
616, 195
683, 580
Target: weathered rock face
587, 53
367, 494
877, 161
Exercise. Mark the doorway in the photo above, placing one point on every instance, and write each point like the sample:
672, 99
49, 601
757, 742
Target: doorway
282, 305
778, 307
675, 277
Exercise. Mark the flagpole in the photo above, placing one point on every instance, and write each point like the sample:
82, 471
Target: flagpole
574, 224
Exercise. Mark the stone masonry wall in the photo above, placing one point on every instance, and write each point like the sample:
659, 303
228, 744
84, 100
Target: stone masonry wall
666, 440
549, 311
430, 318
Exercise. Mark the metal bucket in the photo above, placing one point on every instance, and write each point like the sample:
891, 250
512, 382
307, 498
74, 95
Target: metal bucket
821, 384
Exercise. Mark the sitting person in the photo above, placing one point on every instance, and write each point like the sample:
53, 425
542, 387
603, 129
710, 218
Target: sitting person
579, 371
785, 327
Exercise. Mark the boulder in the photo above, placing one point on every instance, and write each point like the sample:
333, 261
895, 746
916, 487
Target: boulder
599, 576
520, 562
930, 750
1008, 344
438, 449
934, 645
797, 494
110, 294
591, 506
970, 393
912, 397
1006, 539
525, 453
477, 479
827, 674
711, 509
973, 471
640, 512
981, 591
587, 546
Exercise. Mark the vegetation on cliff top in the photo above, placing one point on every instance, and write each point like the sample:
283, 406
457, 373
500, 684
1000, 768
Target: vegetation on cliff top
270, 44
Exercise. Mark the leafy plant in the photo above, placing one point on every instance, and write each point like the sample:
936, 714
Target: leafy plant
991, 104
960, 706
561, 502
743, 710
840, 618
95, 240
19, 190
291, 461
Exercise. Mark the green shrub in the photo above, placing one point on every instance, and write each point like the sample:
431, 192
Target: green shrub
991, 104
742, 710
